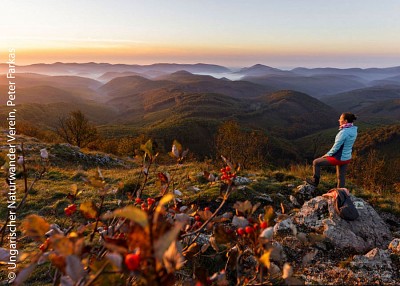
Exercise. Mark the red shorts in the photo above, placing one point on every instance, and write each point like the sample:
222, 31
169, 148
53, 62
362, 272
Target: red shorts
335, 162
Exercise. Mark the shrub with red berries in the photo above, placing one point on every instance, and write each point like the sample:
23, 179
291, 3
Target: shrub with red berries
227, 175
149, 236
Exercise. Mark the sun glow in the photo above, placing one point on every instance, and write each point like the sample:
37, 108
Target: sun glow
223, 32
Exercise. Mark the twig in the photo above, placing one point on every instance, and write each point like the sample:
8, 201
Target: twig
97, 219
197, 231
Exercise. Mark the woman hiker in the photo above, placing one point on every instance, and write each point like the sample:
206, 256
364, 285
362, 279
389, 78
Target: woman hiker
340, 153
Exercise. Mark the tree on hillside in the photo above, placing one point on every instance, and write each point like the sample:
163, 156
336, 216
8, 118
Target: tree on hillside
247, 147
76, 129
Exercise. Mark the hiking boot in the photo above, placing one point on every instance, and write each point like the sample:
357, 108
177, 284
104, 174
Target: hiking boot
313, 181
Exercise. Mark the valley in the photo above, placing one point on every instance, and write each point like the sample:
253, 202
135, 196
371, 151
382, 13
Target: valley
161, 100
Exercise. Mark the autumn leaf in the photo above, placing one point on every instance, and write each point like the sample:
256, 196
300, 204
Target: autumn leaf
173, 258
243, 207
164, 200
163, 178
117, 245
95, 182
193, 249
63, 245
178, 147
139, 238
269, 214
228, 163
205, 215
164, 242
265, 259
287, 271
74, 268
58, 261
214, 244
148, 148
89, 209
36, 227
175, 151
130, 212
24, 274
255, 207
184, 153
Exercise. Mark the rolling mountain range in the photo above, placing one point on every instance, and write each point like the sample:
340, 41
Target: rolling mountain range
170, 97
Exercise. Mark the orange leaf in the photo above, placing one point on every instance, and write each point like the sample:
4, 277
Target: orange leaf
89, 209
265, 259
36, 227
63, 245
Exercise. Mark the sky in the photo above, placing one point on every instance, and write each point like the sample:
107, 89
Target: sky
233, 33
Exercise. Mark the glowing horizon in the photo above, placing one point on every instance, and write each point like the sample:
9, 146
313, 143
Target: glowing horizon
282, 33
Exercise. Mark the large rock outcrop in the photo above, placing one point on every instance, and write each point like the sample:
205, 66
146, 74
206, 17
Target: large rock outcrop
365, 233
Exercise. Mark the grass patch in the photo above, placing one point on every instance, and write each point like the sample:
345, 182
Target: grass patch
56, 176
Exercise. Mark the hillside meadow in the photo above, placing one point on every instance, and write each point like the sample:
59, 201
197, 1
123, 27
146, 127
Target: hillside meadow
99, 183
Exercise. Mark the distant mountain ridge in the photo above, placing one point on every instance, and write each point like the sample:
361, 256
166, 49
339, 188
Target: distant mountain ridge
98, 69
262, 70
370, 102
191, 101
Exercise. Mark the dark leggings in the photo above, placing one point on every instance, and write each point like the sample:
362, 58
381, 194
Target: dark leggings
340, 170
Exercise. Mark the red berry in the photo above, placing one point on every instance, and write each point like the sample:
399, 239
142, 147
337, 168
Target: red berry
132, 261
222, 170
67, 211
72, 208
249, 229
197, 218
138, 200
228, 169
43, 247
198, 224
240, 231
264, 225
255, 226
150, 201
206, 209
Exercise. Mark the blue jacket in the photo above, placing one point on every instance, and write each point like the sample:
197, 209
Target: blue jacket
343, 145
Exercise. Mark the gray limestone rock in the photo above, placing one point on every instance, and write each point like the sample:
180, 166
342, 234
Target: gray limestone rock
376, 259
363, 234
285, 227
